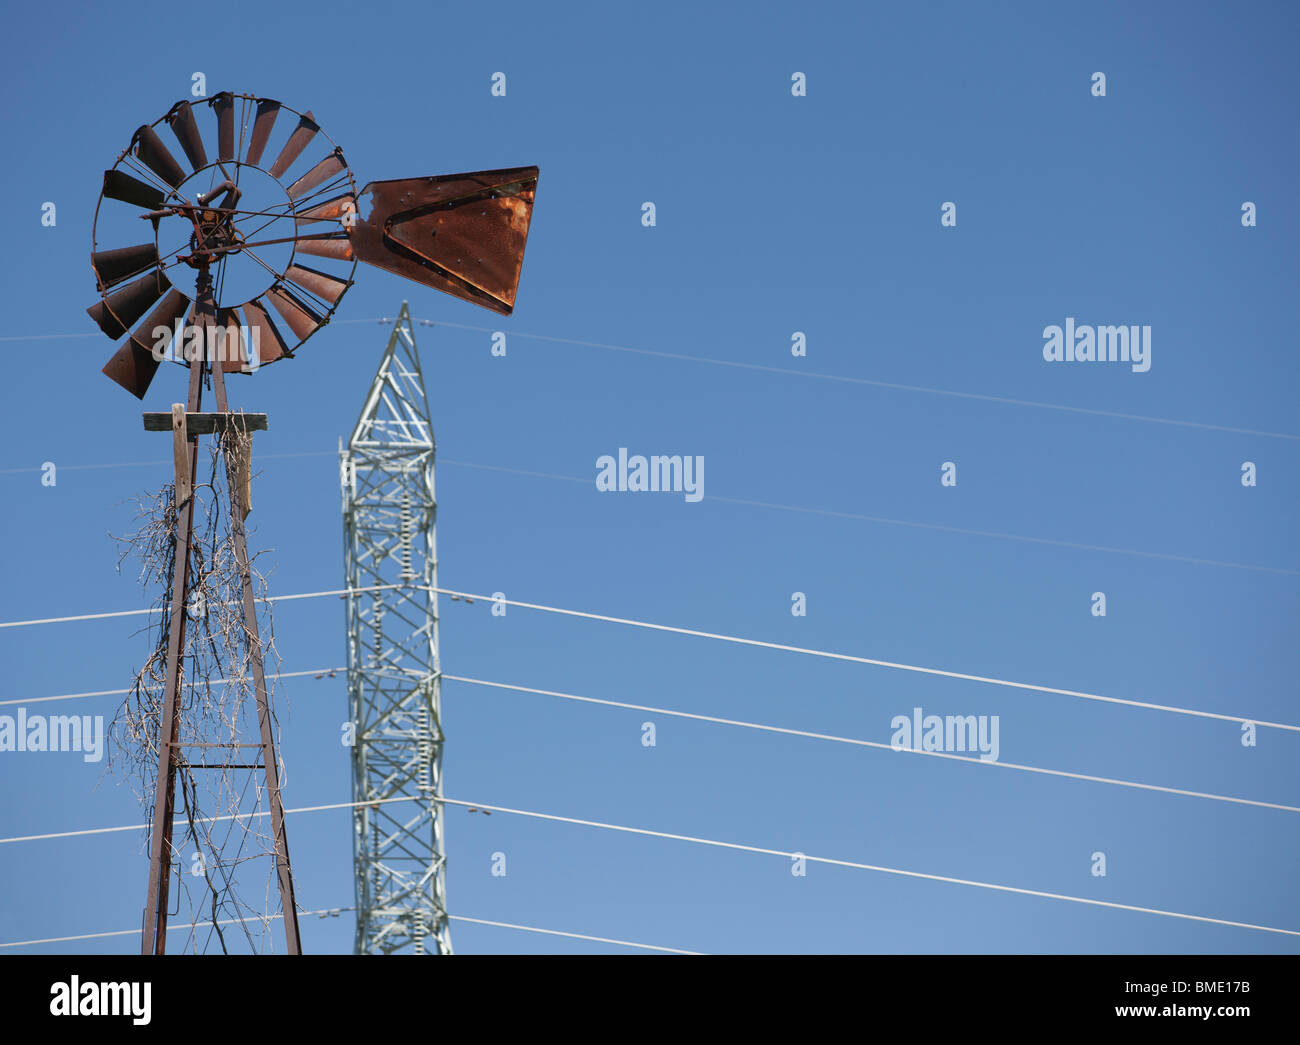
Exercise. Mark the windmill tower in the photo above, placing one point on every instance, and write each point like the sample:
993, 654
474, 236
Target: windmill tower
394, 683
262, 189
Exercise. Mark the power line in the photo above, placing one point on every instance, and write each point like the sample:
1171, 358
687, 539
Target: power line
188, 685
155, 609
695, 840
828, 513
742, 641
574, 936
965, 531
782, 647
871, 867
155, 463
339, 910
88, 831
811, 375
879, 745
845, 379
784, 730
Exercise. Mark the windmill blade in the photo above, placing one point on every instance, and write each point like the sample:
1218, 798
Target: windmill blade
326, 245
298, 140
323, 171
322, 284
302, 318
228, 344
463, 234
181, 120
224, 106
134, 364
118, 185
267, 111
113, 266
331, 210
116, 313
154, 155
270, 345
234, 357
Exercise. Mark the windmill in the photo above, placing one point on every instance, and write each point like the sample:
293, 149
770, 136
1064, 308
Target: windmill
263, 191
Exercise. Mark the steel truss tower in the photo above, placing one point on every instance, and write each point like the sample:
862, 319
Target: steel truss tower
394, 683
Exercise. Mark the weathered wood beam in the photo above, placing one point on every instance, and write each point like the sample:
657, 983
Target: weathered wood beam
207, 423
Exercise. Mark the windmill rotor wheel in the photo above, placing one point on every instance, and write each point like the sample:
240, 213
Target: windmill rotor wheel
244, 195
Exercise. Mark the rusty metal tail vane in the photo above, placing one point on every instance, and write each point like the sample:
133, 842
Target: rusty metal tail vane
463, 234
267, 206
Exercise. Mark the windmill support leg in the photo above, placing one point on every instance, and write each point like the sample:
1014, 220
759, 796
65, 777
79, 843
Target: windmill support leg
186, 451
154, 937
280, 839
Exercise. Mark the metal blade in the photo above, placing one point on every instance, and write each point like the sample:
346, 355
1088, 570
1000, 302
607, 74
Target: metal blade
154, 155
229, 344
323, 171
116, 313
302, 318
327, 245
270, 345
267, 111
322, 284
181, 120
302, 134
330, 210
224, 105
119, 185
463, 234
113, 266
133, 365
236, 352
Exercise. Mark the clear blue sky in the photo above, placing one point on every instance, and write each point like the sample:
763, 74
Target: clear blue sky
774, 214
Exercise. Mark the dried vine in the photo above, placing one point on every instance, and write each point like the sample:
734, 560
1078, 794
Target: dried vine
221, 853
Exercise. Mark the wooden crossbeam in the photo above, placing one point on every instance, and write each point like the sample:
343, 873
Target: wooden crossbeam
206, 423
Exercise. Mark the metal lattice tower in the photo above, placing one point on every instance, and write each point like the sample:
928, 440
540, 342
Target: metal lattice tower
394, 683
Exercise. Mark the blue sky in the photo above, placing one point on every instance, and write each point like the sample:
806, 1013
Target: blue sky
774, 214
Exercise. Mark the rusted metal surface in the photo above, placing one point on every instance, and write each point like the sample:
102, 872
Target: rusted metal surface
301, 318
322, 284
117, 312
154, 937
302, 134
133, 365
223, 105
113, 266
323, 171
327, 245
150, 150
181, 119
270, 764
330, 210
267, 111
118, 185
270, 343
463, 234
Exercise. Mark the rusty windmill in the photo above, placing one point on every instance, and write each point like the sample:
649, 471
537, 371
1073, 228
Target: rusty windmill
263, 189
